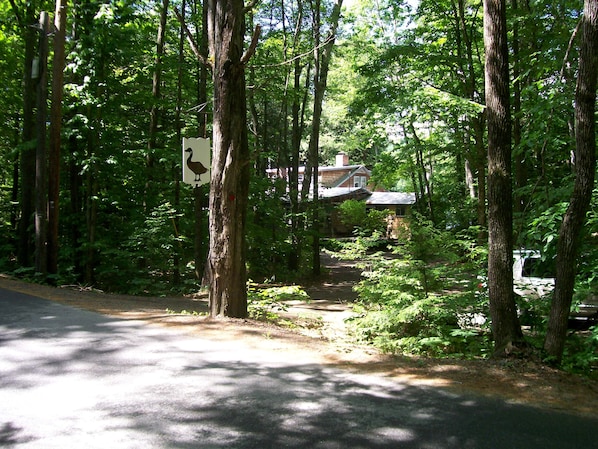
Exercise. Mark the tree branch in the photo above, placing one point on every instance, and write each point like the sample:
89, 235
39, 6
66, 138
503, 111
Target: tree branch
294, 58
251, 49
16, 11
250, 5
202, 58
569, 47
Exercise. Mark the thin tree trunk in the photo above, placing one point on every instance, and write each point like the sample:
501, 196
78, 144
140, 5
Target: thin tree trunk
505, 324
177, 250
25, 247
296, 133
55, 129
480, 159
476, 155
76, 207
585, 168
322, 58
426, 189
155, 110
518, 159
41, 167
14, 192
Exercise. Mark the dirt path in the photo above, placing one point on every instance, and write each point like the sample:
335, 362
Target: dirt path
320, 337
325, 315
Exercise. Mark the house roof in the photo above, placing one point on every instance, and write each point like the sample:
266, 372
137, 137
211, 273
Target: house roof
335, 194
391, 198
342, 168
344, 193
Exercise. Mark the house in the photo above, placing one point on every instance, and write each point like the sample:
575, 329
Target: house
397, 203
341, 174
344, 175
344, 181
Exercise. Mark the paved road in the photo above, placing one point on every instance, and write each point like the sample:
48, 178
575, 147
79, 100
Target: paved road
76, 379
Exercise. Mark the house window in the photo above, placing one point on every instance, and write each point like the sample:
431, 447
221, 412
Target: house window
360, 181
401, 210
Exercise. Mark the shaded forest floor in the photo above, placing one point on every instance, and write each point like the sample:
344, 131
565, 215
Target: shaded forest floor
315, 332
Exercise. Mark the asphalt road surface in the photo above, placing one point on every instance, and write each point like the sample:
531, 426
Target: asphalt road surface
76, 379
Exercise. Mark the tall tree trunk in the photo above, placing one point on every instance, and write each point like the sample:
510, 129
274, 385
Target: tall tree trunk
479, 158
25, 247
229, 186
298, 124
177, 250
92, 184
14, 191
76, 208
200, 249
585, 168
505, 324
155, 110
41, 167
475, 157
423, 173
55, 129
519, 169
322, 57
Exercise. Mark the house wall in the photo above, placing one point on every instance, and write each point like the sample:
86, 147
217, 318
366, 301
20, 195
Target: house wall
328, 177
331, 177
397, 225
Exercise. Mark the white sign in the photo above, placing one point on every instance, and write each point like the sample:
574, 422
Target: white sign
196, 160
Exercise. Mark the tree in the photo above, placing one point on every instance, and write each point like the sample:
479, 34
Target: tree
55, 130
505, 324
585, 168
41, 167
27, 151
156, 97
322, 57
229, 186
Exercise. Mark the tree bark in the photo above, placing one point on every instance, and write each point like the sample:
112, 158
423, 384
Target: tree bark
297, 120
176, 277
322, 57
41, 166
519, 161
25, 247
505, 324
585, 168
55, 129
200, 199
155, 110
229, 186
424, 172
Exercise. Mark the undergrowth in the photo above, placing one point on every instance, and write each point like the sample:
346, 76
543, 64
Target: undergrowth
266, 303
429, 297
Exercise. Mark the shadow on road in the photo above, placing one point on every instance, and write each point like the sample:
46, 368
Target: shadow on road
71, 378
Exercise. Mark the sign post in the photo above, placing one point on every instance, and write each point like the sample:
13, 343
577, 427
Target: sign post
196, 160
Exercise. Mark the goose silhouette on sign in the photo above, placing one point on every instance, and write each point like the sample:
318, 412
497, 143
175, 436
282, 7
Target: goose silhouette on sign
197, 168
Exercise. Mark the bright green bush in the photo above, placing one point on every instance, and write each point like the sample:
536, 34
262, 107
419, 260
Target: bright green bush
265, 303
425, 299
365, 221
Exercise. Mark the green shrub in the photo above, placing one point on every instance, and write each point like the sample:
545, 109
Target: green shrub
421, 302
365, 221
265, 303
